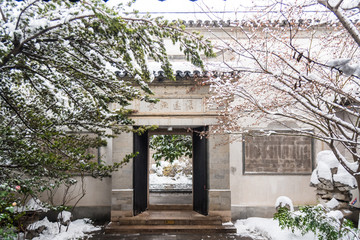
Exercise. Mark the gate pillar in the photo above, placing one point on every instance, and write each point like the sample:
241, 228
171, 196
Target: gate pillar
219, 176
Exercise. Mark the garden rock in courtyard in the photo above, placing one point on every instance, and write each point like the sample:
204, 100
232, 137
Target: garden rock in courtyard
332, 181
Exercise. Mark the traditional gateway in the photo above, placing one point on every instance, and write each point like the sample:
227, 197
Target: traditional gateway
234, 176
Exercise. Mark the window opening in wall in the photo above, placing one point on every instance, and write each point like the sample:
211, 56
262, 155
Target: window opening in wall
170, 170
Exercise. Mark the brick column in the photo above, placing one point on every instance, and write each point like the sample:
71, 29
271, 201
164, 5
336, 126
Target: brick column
219, 176
122, 183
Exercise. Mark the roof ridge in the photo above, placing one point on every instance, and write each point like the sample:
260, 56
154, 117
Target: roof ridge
253, 23
179, 74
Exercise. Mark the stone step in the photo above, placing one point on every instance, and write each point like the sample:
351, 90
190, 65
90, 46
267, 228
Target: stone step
171, 221
114, 228
173, 217
181, 207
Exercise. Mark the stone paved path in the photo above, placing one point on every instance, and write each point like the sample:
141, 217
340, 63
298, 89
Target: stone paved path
168, 237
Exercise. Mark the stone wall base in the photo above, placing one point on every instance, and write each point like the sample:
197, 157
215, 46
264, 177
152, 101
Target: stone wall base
242, 212
115, 215
99, 214
225, 215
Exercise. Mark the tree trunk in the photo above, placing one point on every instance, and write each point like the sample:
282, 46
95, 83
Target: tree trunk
357, 177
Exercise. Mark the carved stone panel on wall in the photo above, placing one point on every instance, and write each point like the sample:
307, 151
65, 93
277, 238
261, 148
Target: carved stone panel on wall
277, 154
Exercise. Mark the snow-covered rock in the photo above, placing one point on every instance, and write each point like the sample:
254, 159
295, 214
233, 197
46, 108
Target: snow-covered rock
329, 169
333, 203
338, 62
343, 64
332, 181
50, 230
35, 229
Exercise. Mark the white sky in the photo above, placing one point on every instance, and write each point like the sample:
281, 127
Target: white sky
211, 9
188, 10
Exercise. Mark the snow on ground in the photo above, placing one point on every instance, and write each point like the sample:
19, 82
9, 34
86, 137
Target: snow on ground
77, 229
267, 228
255, 228
164, 182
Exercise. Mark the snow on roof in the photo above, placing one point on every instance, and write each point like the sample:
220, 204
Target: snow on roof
216, 13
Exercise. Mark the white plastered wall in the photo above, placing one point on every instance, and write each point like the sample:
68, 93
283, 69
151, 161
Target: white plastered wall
98, 192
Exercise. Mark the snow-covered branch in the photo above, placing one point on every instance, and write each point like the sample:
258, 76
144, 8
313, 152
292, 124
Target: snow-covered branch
305, 71
347, 24
58, 69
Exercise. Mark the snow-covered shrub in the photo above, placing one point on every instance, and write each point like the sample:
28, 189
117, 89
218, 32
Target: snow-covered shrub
325, 223
284, 201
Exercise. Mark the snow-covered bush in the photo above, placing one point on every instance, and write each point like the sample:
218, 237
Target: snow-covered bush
325, 223
284, 202
333, 185
61, 88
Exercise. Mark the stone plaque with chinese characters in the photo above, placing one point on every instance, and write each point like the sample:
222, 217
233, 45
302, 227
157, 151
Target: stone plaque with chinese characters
173, 105
277, 154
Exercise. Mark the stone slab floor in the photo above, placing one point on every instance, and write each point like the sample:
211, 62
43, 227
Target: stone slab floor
168, 237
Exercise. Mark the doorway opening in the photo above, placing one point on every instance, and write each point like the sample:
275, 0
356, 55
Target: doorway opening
141, 169
170, 169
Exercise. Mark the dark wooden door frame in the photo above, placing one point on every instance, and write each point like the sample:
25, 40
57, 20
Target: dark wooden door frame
200, 171
140, 173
